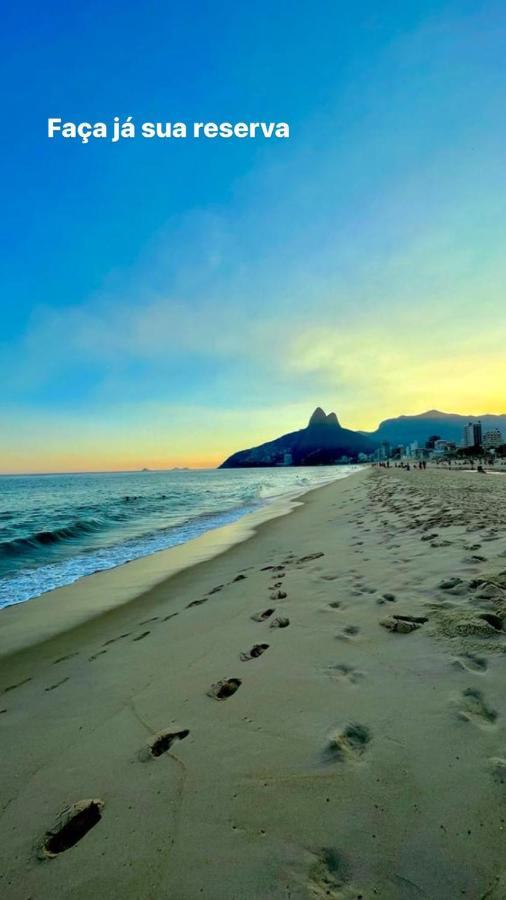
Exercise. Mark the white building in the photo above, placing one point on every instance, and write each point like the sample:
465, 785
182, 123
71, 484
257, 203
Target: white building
492, 439
411, 449
442, 448
472, 434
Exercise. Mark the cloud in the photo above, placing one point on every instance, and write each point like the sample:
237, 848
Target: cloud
361, 269
389, 333
384, 371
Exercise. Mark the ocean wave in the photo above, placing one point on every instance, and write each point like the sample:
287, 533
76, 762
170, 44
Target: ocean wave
28, 583
69, 528
44, 538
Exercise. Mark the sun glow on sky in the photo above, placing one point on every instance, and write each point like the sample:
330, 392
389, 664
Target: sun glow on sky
166, 304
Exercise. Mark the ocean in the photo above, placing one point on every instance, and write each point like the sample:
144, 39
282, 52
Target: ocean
55, 529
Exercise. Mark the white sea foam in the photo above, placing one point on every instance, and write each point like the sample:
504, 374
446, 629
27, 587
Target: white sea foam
57, 529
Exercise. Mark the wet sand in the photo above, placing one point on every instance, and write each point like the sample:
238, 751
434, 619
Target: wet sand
317, 712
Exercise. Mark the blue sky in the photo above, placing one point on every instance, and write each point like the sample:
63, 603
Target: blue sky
169, 302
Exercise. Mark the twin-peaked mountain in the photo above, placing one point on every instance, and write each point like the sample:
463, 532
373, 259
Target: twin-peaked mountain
322, 442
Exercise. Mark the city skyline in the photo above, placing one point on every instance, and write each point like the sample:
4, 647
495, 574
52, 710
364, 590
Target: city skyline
491, 433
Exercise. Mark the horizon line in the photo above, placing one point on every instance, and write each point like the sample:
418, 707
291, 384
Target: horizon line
214, 466
146, 470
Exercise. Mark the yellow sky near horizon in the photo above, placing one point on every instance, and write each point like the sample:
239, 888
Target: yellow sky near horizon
449, 357
152, 439
226, 290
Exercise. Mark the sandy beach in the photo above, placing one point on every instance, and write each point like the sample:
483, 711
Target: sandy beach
317, 712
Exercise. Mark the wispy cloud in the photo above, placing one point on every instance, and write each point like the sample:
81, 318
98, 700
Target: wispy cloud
361, 268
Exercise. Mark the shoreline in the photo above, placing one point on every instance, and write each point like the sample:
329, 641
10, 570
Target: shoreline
331, 697
32, 576
98, 593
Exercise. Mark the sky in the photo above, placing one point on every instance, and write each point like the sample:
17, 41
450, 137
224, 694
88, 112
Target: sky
169, 302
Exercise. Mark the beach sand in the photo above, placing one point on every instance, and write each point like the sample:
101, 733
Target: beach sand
261, 725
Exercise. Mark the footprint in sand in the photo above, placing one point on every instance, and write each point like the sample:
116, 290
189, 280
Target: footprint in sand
239, 577
348, 632
471, 707
12, 687
170, 616
140, 637
456, 585
196, 603
215, 590
348, 744
465, 622
262, 616
471, 663
489, 588
119, 638
53, 687
64, 658
280, 622
147, 621
73, 823
328, 876
161, 742
222, 690
279, 595
310, 557
96, 655
497, 622
342, 672
255, 651
403, 624
386, 598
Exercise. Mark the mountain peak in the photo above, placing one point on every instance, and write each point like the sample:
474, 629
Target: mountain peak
323, 442
433, 414
320, 418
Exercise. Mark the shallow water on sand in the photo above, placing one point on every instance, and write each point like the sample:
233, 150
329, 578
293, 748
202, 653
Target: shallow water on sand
56, 528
